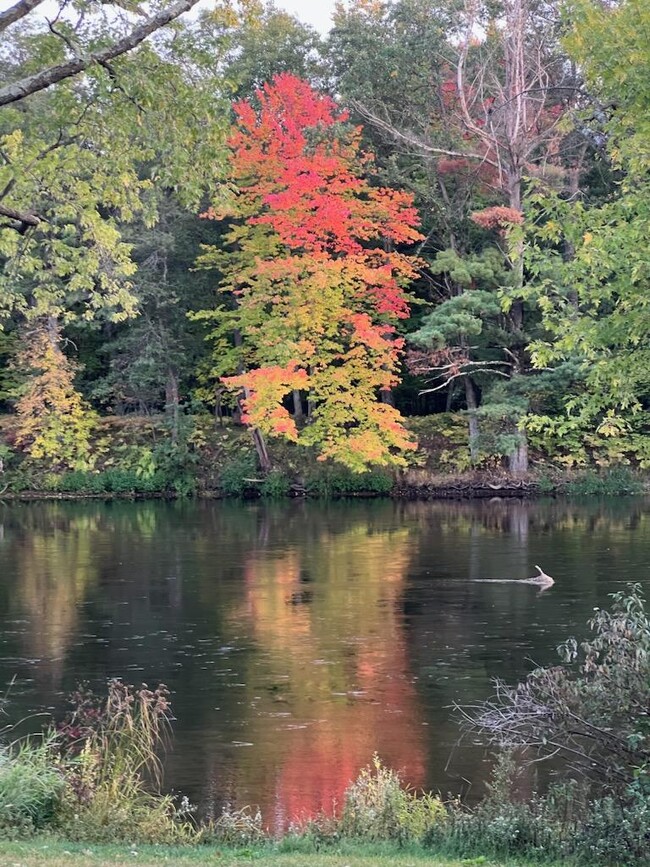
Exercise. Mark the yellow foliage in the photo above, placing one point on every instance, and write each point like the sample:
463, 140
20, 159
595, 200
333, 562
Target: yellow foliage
55, 423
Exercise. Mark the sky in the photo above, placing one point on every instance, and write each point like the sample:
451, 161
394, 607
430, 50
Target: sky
315, 12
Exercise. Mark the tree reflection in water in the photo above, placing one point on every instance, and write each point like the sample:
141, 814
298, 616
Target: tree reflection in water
299, 638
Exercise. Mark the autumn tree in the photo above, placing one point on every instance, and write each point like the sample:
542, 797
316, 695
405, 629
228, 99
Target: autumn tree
315, 273
54, 422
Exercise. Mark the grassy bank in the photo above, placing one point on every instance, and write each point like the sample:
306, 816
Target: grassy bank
46, 852
137, 457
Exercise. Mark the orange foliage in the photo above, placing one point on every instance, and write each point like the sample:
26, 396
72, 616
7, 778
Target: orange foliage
317, 274
497, 217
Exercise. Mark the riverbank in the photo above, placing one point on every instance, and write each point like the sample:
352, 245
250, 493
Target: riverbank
136, 458
49, 852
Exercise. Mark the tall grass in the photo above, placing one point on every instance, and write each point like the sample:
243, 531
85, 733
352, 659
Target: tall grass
115, 772
31, 784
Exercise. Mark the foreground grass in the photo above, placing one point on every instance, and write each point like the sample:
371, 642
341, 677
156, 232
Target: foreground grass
47, 852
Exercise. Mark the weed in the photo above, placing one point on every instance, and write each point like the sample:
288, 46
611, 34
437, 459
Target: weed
378, 807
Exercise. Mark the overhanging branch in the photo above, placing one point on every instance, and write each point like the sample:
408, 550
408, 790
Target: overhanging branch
17, 11
47, 77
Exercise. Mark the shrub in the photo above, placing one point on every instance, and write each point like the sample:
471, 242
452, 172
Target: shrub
235, 827
591, 711
338, 482
614, 482
378, 807
234, 475
31, 785
275, 486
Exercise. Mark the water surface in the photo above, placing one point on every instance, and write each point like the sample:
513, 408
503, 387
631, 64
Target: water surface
299, 638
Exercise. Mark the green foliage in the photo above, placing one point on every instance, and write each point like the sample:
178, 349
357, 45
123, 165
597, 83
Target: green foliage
70, 258
275, 485
617, 481
378, 807
565, 825
235, 475
31, 785
337, 481
588, 258
110, 481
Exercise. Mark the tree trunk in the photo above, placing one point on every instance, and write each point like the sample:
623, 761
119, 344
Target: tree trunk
260, 447
518, 460
386, 396
472, 406
172, 402
258, 437
298, 414
218, 409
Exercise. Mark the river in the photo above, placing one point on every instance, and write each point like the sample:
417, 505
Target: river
299, 638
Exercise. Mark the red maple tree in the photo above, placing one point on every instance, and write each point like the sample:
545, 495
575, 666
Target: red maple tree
317, 274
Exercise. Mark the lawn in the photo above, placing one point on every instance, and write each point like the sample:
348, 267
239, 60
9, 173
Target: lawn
51, 853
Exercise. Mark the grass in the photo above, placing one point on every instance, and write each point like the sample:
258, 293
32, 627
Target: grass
48, 852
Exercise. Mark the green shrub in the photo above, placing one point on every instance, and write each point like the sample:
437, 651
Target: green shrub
234, 474
338, 482
275, 486
617, 481
378, 807
31, 785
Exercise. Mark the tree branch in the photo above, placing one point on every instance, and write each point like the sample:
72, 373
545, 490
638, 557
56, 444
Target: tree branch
395, 133
22, 220
47, 77
17, 11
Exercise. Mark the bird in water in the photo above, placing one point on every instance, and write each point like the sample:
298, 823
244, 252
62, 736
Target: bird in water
543, 581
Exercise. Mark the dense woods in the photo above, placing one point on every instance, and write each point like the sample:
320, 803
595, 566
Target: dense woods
432, 221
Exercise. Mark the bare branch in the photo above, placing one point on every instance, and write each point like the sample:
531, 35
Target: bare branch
47, 77
386, 127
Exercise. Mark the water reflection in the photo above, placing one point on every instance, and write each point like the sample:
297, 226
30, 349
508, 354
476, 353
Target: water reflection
300, 638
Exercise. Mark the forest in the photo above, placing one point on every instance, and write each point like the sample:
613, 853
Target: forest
238, 252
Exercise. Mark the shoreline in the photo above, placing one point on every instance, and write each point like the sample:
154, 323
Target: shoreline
455, 489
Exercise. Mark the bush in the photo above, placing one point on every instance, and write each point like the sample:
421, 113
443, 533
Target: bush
234, 475
590, 715
339, 482
592, 711
235, 828
378, 807
564, 825
618, 481
31, 785
275, 486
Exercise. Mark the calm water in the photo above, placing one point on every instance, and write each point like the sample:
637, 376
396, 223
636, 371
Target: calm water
298, 639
